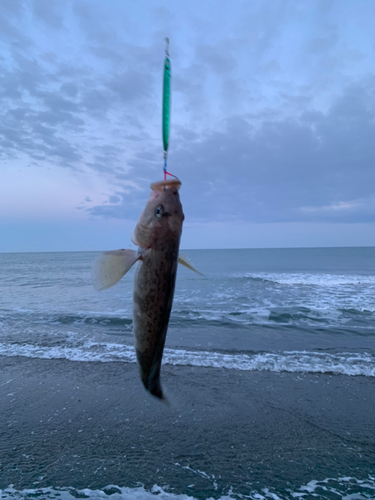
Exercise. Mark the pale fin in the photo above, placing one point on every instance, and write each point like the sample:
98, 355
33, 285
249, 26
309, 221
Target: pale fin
186, 262
110, 267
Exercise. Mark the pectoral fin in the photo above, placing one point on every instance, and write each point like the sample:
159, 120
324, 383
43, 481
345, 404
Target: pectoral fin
110, 267
182, 259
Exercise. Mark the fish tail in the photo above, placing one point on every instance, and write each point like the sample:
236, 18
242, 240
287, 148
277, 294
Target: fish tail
151, 377
155, 390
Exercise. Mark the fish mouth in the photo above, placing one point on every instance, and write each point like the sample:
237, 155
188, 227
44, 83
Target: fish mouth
162, 185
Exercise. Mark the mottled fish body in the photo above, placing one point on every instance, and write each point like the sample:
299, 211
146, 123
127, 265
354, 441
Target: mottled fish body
154, 282
157, 235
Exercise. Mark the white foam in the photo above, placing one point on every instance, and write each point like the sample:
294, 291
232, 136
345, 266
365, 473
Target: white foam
71, 494
345, 363
318, 279
294, 362
347, 488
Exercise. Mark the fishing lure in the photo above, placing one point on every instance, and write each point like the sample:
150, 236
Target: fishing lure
166, 106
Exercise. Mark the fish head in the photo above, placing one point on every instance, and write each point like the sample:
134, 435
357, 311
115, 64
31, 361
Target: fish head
162, 218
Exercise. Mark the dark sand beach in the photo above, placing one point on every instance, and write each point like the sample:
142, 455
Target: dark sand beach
89, 425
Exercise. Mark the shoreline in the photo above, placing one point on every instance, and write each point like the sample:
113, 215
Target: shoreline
87, 425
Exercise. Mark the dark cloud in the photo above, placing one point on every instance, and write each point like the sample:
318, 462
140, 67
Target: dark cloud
131, 86
126, 203
114, 199
269, 68
96, 102
214, 59
190, 84
107, 53
316, 167
69, 89
257, 135
11, 7
45, 99
26, 130
10, 12
324, 43
48, 11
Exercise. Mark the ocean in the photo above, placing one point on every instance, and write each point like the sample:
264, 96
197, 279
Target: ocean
291, 329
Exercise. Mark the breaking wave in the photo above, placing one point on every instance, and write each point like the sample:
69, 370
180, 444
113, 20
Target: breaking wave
345, 363
318, 279
341, 487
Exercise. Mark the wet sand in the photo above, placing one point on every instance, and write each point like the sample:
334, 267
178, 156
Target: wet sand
88, 425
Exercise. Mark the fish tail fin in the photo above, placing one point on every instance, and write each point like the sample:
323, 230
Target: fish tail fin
110, 267
149, 370
158, 393
154, 388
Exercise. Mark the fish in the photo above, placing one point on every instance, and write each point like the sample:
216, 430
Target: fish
157, 235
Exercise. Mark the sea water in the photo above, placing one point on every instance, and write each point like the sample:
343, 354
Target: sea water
308, 310
278, 310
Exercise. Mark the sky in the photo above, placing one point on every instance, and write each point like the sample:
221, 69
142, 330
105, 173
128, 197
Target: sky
272, 125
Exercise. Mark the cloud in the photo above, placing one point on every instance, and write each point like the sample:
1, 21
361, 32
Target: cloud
130, 86
324, 43
52, 105
272, 110
353, 211
215, 59
316, 167
69, 89
48, 12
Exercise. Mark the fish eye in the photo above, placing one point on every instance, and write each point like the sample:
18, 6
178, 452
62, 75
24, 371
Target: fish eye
159, 211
